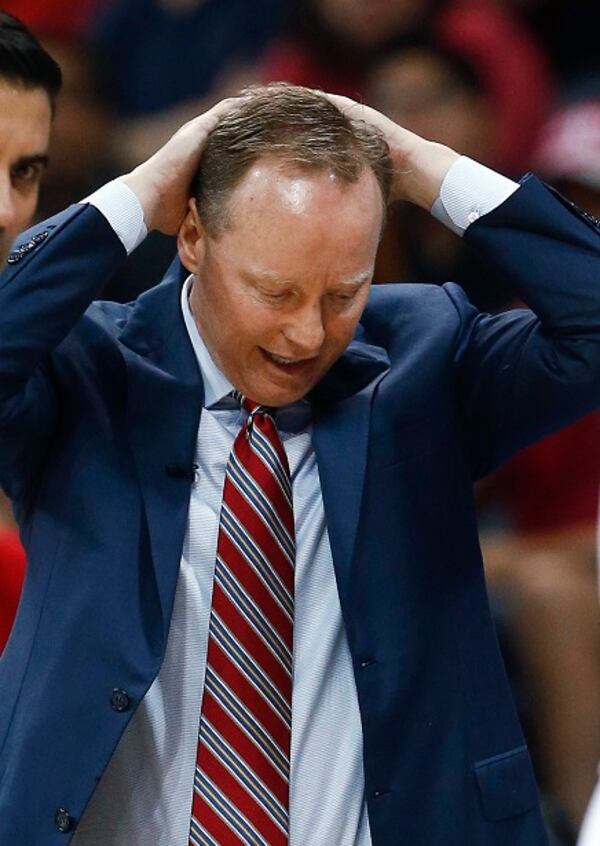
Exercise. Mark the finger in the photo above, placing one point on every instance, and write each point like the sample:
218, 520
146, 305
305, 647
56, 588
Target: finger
216, 112
344, 104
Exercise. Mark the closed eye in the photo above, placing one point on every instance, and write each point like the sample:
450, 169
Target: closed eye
342, 298
270, 295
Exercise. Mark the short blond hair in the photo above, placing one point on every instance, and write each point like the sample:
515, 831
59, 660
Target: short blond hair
298, 126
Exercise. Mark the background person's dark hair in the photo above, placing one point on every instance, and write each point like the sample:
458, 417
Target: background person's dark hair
24, 61
298, 127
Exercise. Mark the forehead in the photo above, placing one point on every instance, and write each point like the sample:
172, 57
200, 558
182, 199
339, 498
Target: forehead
25, 119
303, 225
277, 193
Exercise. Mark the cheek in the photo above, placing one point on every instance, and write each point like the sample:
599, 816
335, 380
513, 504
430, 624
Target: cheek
341, 326
250, 323
5, 243
25, 205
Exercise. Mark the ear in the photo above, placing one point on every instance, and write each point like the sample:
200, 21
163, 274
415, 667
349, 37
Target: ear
190, 238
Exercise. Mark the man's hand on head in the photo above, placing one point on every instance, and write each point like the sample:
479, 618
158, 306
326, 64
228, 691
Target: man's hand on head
419, 165
162, 183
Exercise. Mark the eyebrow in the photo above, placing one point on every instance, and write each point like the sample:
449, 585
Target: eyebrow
274, 279
265, 276
357, 281
35, 159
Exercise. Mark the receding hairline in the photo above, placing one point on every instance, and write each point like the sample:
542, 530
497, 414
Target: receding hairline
290, 167
299, 128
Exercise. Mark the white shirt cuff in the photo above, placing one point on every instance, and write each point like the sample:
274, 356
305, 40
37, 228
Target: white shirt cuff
470, 190
122, 209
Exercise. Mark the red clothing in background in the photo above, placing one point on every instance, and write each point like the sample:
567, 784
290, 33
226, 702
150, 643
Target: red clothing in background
54, 17
553, 485
12, 572
511, 64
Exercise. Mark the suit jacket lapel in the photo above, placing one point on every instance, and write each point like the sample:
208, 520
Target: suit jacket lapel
164, 401
342, 404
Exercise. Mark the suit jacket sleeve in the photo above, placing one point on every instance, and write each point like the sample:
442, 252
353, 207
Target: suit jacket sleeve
55, 271
522, 376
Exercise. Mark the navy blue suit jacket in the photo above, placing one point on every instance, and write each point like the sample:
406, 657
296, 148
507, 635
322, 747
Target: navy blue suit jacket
99, 408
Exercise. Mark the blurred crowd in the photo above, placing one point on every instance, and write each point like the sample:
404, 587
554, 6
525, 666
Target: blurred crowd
512, 83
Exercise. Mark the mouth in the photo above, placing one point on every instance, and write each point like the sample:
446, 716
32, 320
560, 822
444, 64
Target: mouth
284, 364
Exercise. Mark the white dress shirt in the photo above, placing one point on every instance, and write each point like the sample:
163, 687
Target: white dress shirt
590, 830
145, 794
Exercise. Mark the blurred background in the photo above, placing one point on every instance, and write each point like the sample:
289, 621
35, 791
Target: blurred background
512, 83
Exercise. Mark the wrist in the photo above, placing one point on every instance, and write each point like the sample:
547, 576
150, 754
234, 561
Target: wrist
147, 195
420, 170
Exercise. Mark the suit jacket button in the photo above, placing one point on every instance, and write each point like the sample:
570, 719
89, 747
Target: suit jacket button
119, 700
63, 820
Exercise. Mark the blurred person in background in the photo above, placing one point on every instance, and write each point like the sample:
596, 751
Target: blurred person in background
435, 92
569, 149
29, 83
336, 44
331, 44
163, 60
568, 32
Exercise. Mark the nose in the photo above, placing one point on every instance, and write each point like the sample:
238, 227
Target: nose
305, 330
8, 210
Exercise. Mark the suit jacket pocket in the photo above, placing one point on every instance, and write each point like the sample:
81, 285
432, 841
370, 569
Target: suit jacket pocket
506, 784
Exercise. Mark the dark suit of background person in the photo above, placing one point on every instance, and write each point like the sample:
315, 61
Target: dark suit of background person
98, 420
30, 81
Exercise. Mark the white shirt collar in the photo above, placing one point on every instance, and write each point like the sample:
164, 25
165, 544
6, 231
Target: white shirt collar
216, 384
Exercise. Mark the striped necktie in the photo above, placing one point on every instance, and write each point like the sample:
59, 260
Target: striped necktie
241, 782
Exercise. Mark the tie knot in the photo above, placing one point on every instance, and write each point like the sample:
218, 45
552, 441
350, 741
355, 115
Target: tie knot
251, 406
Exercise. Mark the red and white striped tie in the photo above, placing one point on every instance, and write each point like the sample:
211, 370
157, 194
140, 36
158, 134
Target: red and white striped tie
241, 784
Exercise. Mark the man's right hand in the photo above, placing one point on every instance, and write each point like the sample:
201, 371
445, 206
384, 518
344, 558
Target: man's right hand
162, 183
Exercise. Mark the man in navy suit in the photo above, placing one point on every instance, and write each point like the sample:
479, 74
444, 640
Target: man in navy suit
29, 84
117, 421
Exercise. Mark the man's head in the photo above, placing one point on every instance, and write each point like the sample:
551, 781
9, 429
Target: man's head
281, 236
29, 82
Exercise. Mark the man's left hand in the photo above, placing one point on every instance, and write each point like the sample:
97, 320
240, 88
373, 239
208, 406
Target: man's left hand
419, 165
